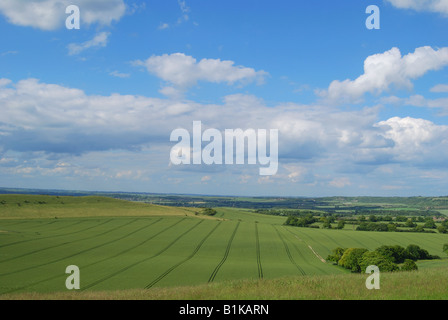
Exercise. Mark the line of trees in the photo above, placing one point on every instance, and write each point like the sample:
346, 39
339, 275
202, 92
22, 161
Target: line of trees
327, 222
387, 258
428, 224
305, 221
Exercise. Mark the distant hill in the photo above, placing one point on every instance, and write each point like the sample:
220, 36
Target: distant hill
46, 206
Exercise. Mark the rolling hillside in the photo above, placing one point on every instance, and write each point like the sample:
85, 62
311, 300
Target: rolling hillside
121, 245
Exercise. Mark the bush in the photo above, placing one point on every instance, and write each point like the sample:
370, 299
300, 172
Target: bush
209, 211
409, 265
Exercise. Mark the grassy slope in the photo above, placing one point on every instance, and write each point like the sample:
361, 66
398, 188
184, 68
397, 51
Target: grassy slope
41, 206
428, 284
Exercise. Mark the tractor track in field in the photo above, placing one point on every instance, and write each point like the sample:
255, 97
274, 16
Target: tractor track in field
311, 239
33, 226
427, 240
66, 226
54, 236
331, 239
73, 255
374, 239
301, 254
226, 254
309, 246
258, 251
99, 261
46, 223
355, 240
168, 271
288, 253
68, 242
14, 222
146, 259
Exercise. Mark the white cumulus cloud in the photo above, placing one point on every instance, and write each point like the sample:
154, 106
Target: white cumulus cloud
440, 6
50, 14
384, 70
100, 40
183, 71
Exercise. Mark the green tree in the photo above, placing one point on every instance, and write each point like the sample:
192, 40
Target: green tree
410, 224
351, 259
341, 224
442, 229
377, 259
392, 227
395, 253
418, 229
326, 224
291, 221
336, 254
414, 252
430, 224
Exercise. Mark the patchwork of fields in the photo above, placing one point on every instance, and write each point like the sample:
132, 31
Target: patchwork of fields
157, 250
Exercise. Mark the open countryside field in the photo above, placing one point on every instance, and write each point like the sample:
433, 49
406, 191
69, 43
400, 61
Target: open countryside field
121, 245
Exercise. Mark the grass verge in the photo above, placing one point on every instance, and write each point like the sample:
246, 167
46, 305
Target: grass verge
427, 284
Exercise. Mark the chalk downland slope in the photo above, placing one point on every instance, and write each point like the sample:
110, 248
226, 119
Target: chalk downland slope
44, 206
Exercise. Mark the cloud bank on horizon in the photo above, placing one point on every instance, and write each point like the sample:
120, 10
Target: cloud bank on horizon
93, 109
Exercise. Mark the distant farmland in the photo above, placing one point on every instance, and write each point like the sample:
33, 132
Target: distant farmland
121, 245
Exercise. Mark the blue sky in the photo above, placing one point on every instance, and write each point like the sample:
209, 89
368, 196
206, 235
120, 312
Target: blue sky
359, 111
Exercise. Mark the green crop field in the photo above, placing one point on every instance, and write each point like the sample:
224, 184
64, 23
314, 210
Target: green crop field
121, 245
